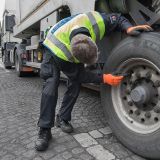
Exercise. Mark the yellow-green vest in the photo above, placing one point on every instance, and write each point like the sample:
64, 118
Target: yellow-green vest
59, 41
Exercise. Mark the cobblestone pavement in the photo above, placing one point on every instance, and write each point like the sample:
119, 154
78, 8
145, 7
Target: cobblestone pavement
19, 110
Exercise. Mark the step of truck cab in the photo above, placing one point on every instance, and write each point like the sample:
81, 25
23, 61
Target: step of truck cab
33, 64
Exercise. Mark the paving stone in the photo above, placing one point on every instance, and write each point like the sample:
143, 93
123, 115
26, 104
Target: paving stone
86, 157
71, 144
22, 158
47, 154
67, 155
85, 139
58, 157
106, 130
119, 150
96, 134
5, 140
29, 154
60, 148
2, 152
64, 139
100, 153
8, 157
37, 158
31, 145
19, 150
77, 150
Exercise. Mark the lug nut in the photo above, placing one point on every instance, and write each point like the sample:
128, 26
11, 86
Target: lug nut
130, 103
157, 83
153, 104
157, 73
156, 95
144, 67
142, 120
148, 115
137, 112
131, 71
131, 112
148, 75
157, 110
144, 105
156, 119
125, 83
125, 98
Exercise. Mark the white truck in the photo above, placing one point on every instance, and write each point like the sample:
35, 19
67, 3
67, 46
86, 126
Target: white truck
8, 42
133, 108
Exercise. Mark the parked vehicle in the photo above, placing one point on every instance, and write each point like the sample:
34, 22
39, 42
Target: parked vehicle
133, 108
8, 42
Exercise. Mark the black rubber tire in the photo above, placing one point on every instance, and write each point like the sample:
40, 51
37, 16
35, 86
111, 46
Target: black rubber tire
145, 46
18, 66
7, 67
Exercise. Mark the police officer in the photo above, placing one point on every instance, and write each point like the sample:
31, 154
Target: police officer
69, 45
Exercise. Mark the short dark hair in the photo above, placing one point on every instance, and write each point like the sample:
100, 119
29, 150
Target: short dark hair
84, 49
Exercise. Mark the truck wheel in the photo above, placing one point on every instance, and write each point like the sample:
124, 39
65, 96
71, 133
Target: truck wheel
133, 107
18, 66
5, 60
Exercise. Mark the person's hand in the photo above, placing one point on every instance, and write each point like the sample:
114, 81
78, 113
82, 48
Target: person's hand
136, 30
112, 80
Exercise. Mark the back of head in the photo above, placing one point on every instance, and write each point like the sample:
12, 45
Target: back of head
84, 49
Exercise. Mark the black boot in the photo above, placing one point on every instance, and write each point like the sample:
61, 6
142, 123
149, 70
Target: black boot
64, 125
44, 136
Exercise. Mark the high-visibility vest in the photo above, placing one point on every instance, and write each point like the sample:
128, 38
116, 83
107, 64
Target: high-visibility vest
58, 38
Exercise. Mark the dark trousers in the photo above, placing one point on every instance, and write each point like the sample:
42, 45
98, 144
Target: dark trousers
50, 72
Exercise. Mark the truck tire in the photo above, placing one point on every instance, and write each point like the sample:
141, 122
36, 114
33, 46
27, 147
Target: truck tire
18, 66
7, 67
133, 108
5, 61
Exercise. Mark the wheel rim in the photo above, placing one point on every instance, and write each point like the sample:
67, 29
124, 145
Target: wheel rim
136, 101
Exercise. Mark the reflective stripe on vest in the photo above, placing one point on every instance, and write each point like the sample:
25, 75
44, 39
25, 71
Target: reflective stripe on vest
95, 25
62, 47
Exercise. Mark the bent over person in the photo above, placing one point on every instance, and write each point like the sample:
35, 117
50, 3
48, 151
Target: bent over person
69, 45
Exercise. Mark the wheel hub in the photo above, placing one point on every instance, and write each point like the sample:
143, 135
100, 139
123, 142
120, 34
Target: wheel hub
143, 94
140, 95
